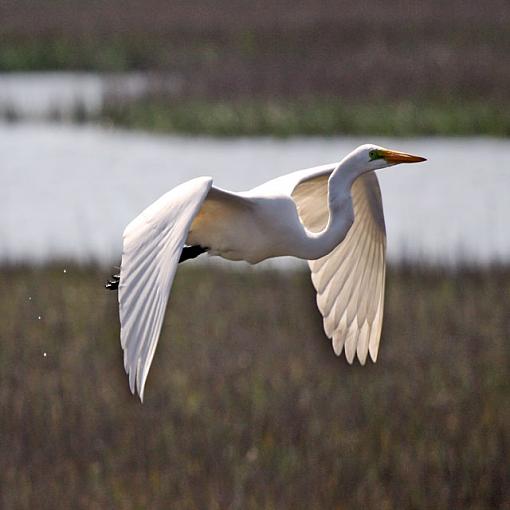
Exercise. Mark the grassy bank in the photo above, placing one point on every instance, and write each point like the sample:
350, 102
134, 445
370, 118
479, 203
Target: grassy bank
312, 117
303, 117
246, 404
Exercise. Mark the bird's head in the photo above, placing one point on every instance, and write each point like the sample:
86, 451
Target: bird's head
373, 157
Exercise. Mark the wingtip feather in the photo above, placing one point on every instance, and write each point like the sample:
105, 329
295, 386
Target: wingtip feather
338, 344
375, 336
362, 347
350, 344
374, 352
132, 383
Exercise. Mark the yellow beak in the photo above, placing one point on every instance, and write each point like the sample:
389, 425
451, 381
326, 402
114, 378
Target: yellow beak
396, 157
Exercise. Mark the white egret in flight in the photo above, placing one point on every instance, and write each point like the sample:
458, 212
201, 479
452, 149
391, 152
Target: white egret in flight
329, 215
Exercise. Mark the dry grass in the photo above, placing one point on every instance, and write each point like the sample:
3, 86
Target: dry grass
246, 405
394, 49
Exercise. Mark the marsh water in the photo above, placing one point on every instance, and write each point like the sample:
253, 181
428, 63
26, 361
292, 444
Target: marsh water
66, 95
67, 191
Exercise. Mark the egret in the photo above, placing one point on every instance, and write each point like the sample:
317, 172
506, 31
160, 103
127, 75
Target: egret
329, 215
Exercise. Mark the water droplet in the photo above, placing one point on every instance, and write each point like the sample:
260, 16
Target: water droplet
44, 354
65, 270
39, 317
252, 454
30, 298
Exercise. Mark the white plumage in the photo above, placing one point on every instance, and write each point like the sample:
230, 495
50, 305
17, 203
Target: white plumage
330, 215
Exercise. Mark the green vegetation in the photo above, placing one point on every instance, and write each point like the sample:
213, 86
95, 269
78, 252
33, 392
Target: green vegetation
65, 54
246, 404
311, 117
305, 117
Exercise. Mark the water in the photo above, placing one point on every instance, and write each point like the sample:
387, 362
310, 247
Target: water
42, 95
68, 191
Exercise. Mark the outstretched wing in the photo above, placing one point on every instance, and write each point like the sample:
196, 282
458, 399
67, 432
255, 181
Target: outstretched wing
152, 245
350, 280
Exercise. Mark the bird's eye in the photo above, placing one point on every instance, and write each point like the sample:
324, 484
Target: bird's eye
372, 155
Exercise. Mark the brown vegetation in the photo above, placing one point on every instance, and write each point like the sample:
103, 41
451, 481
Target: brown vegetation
246, 404
393, 49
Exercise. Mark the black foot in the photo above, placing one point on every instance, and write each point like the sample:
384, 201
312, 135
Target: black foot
113, 284
190, 252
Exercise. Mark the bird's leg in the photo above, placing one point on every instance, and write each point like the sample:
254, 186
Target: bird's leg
190, 252
113, 284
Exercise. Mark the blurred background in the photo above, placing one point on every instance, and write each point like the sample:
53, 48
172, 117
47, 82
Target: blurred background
106, 105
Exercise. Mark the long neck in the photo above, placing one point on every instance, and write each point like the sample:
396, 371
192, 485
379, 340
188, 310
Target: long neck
341, 213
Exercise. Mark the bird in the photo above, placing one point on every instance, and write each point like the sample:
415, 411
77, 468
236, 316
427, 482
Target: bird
329, 215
